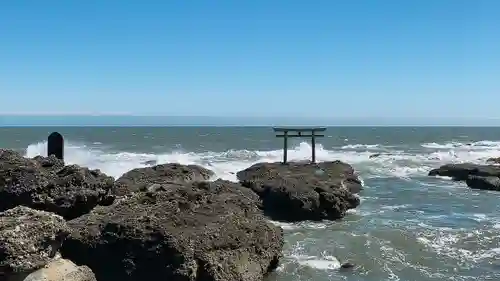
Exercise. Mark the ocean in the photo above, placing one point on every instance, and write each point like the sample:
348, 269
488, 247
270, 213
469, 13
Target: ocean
409, 226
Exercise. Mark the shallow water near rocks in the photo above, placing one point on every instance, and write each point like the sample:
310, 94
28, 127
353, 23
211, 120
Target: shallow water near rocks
408, 226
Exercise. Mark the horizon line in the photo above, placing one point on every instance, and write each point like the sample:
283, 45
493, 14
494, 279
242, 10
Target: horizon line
256, 126
246, 117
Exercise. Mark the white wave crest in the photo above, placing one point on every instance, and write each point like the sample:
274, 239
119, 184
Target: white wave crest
393, 163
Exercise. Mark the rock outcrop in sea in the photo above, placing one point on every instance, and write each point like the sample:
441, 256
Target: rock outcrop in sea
476, 176
304, 191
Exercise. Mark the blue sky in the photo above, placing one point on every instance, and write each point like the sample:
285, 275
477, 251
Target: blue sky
331, 59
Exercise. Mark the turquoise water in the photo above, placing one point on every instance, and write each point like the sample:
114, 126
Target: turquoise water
408, 227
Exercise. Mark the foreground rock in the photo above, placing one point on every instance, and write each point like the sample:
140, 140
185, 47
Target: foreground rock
29, 240
461, 172
60, 270
304, 191
46, 184
140, 178
191, 231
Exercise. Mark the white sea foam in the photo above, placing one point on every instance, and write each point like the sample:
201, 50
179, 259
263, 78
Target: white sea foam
395, 163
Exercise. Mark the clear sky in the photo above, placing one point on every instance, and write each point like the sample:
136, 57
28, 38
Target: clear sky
330, 58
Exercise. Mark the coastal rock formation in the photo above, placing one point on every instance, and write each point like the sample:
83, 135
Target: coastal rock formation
29, 240
461, 172
60, 270
485, 183
303, 191
44, 183
140, 178
486, 177
178, 231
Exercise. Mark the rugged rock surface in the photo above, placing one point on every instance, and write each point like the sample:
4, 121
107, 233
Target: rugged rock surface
60, 270
178, 231
44, 183
141, 178
303, 191
461, 172
29, 240
485, 183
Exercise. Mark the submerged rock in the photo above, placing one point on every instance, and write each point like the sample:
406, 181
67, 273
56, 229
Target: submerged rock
178, 231
29, 240
461, 172
149, 162
139, 179
494, 160
303, 191
347, 266
485, 183
44, 183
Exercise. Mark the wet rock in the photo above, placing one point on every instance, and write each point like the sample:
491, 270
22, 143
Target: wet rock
485, 183
494, 160
461, 172
29, 240
181, 231
61, 270
149, 162
347, 266
141, 178
44, 183
377, 155
303, 191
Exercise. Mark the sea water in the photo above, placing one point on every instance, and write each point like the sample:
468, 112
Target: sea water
408, 227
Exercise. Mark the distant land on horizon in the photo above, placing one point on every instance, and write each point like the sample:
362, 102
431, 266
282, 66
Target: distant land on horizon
132, 120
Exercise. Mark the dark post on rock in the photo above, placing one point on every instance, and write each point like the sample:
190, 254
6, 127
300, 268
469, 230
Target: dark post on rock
55, 145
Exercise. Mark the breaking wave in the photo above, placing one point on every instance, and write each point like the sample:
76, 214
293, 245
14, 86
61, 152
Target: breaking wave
390, 162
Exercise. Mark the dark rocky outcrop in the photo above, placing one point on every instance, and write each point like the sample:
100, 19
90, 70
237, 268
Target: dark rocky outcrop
140, 178
29, 240
493, 160
149, 162
461, 172
485, 183
303, 191
486, 177
44, 183
377, 155
178, 231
